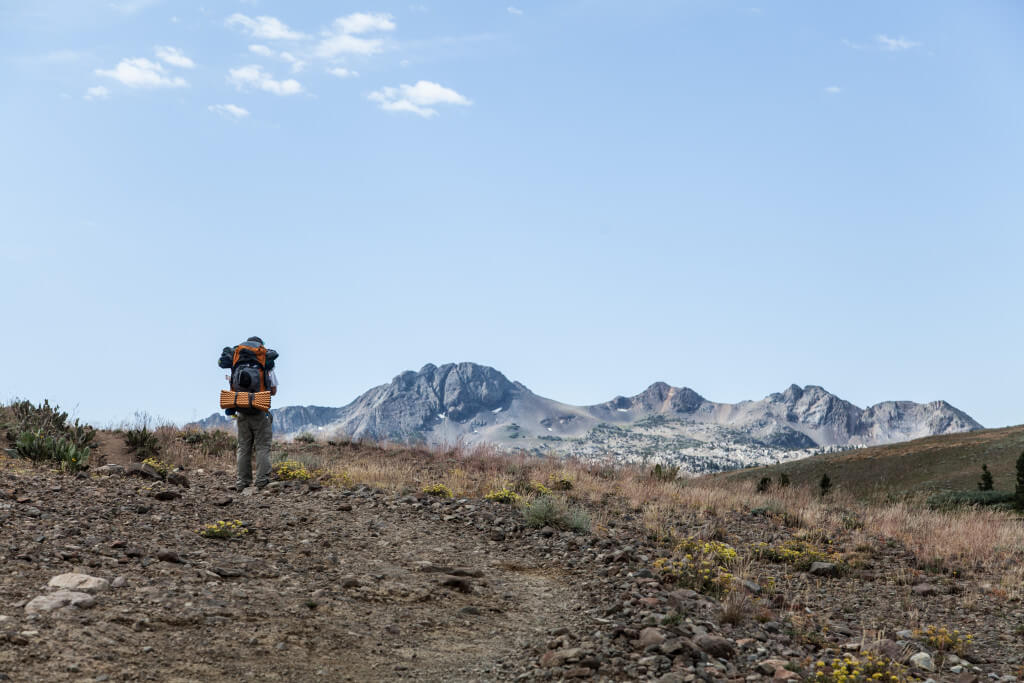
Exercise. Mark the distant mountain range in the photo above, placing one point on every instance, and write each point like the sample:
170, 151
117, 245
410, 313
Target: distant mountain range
477, 404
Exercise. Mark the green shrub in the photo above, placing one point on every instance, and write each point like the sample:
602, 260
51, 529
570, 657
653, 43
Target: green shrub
439, 490
825, 485
560, 481
765, 485
82, 435
39, 447
50, 420
142, 442
986, 483
699, 565
797, 553
956, 499
554, 512
667, 473
504, 495
212, 442
305, 437
1019, 491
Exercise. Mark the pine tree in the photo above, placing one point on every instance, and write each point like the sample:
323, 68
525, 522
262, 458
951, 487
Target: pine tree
1019, 494
825, 485
783, 480
986, 479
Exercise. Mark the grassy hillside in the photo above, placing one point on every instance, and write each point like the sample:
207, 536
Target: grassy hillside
950, 462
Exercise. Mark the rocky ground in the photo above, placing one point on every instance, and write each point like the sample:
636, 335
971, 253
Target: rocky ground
339, 584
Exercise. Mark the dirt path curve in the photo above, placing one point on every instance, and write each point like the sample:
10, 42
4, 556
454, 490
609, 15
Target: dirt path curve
327, 585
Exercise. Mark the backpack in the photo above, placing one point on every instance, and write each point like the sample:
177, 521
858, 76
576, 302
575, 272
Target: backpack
249, 363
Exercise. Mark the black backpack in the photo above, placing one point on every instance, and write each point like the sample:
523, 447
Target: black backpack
249, 362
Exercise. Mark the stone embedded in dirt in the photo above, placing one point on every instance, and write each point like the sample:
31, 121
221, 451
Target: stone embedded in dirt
497, 535
165, 555
222, 501
823, 569
349, 582
227, 572
651, 636
925, 589
345, 507
459, 583
250, 491
553, 658
167, 495
109, 470
79, 582
119, 582
923, 661
547, 532
141, 469
179, 479
769, 666
58, 599
716, 646
782, 674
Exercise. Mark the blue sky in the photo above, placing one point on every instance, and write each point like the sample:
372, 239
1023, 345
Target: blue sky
588, 195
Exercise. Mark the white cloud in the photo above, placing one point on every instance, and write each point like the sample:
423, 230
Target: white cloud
173, 56
343, 38
418, 99
132, 6
515, 10
895, 44
269, 28
261, 50
142, 73
297, 64
229, 111
833, 90
342, 72
361, 22
97, 92
255, 77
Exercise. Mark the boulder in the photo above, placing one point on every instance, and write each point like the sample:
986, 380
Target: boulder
141, 469
716, 646
823, 569
79, 582
57, 600
923, 661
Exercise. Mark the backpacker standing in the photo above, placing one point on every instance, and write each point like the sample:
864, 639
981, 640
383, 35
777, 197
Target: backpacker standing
252, 370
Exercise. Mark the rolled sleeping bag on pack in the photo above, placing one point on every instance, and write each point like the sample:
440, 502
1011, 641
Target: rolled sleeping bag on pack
242, 399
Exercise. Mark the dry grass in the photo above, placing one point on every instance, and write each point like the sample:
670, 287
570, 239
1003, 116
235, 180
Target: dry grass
965, 540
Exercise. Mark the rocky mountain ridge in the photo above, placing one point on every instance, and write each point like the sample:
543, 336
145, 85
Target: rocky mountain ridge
471, 403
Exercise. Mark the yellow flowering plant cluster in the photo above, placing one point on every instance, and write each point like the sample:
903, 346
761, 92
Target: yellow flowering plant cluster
439, 490
560, 481
699, 565
290, 469
504, 495
863, 669
539, 488
944, 640
157, 464
223, 529
800, 554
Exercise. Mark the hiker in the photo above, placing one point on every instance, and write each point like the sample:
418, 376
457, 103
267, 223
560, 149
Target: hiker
252, 370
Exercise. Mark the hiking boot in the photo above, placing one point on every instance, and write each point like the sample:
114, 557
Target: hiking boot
241, 487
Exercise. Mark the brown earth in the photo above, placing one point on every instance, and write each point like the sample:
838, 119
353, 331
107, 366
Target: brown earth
353, 583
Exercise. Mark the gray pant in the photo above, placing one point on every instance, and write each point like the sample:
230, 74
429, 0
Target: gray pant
254, 435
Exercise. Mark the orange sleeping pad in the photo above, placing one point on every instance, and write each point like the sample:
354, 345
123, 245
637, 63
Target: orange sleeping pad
243, 399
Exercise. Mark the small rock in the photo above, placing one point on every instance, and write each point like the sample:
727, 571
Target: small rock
823, 569
141, 469
79, 582
769, 666
782, 674
925, 589
651, 636
553, 658
57, 600
179, 479
165, 555
109, 470
349, 582
716, 646
222, 501
547, 532
923, 661
460, 583
167, 495
119, 582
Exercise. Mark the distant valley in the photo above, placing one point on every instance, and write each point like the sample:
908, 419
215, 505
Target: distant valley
476, 404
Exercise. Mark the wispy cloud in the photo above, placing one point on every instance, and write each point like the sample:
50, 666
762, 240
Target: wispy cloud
173, 56
833, 90
895, 44
261, 50
515, 10
132, 6
418, 99
229, 111
255, 78
140, 72
97, 92
342, 72
268, 28
297, 64
883, 42
344, 36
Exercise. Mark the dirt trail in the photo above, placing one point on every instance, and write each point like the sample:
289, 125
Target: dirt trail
327, 585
